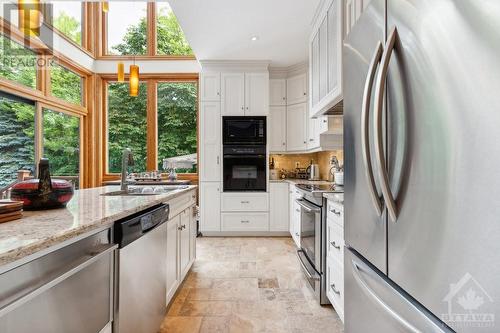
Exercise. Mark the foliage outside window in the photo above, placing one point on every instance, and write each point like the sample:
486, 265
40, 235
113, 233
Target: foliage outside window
131, 38
66, 84
67, 17
170, 38
17, 138
126, 126
17, 63
177, 116
61, 144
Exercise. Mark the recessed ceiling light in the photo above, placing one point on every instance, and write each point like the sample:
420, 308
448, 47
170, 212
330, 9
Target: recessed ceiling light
254, 38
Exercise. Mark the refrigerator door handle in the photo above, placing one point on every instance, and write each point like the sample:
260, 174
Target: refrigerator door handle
357, 269
365, 113
379, 139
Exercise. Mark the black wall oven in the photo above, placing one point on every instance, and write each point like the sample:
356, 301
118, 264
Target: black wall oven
244, 168
244, 130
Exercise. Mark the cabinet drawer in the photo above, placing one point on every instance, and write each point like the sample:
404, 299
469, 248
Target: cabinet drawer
245, 222
234, 202
182, 202
335, 212
335, 241
335, 285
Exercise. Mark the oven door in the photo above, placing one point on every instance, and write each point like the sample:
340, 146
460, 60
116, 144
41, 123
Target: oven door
310, 232
244, 173
244, 130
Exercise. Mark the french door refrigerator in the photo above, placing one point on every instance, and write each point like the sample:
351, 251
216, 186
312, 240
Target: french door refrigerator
422, 167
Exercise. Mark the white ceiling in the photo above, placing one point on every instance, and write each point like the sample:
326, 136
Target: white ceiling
222, 29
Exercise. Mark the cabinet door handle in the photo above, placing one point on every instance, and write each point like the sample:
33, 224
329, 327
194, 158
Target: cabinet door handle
334, 289
335, 245
335, 212
297, 234
284, 143
218, 159
218, 93
245, 221
284, 98
305, 141
243, 108
305, 94
297, 210
245, 202
311, 140
247, 107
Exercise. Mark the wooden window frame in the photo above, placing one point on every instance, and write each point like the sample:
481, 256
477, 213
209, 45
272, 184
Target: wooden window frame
152, 81
151, 49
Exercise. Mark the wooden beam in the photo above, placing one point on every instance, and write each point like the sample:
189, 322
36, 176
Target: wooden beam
152, 126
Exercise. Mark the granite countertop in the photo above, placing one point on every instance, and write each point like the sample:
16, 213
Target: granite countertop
87, 210
301, 181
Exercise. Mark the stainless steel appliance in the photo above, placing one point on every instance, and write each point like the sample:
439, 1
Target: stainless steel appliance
244, 130
420, 119
140, 305
312, 255
244, 168
67, 290
313, 172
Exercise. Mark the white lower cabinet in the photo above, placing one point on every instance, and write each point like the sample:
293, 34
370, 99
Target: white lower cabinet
294, 215
335, 256
181, 243
245, 221
173, 276
210, 201
241, 202
278, 207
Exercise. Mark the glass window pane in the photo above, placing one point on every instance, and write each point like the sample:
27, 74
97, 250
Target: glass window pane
126, 126
17, 63
67, 18
61, 144
127, 37
17, 138
177, 117
170, 38
66, 84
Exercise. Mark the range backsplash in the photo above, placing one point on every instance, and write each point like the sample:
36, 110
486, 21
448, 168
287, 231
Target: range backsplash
288, 161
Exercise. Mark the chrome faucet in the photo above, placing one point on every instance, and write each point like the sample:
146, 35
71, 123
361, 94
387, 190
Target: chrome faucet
127, 160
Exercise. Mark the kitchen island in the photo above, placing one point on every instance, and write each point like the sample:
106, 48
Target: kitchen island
59, 267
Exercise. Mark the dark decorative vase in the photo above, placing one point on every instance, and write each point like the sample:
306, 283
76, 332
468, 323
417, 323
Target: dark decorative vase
42, 193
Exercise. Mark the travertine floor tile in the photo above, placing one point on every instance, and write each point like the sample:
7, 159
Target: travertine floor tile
248, 284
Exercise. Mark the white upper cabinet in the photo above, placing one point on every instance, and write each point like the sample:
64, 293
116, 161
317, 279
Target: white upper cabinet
296, 89
277, 92
297, 124
277, 128
210, 87
233, 94
256, 94
210, 145
244, 94
350, 13
313, 132
326, 58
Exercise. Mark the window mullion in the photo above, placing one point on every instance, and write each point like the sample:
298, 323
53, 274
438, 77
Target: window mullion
38, 135
152, 126
151, 27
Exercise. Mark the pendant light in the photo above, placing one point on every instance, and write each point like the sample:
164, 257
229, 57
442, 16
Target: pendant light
134, 80
105, 6
29, 17
121, 72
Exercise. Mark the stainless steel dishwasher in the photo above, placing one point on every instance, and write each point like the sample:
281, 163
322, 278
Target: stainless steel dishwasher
66, 290
140, 303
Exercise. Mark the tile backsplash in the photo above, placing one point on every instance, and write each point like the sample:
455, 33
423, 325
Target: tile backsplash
289, 161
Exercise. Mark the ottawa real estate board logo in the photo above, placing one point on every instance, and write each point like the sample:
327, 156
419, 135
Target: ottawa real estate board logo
33, 20
469, 306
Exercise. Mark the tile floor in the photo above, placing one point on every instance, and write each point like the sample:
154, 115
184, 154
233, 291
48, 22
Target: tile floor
247, 285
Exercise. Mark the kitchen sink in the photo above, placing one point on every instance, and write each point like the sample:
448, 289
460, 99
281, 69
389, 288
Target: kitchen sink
146, 190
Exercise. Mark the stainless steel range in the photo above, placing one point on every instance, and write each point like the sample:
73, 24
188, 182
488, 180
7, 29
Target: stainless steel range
312, 254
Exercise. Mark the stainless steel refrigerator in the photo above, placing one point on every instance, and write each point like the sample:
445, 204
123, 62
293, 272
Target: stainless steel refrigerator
422, 167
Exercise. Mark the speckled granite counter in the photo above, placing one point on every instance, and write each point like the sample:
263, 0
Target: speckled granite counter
302, 181
87, 210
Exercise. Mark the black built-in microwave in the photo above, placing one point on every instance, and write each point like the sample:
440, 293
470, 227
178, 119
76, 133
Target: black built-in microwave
244, 130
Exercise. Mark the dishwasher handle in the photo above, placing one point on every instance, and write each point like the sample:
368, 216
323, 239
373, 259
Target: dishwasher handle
79, 265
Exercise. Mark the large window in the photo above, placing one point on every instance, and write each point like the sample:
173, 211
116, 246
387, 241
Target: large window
67, 17
126, 126
66, 84
17, 63
17, 137
169, 35
127, 37
177, 119
61, 144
